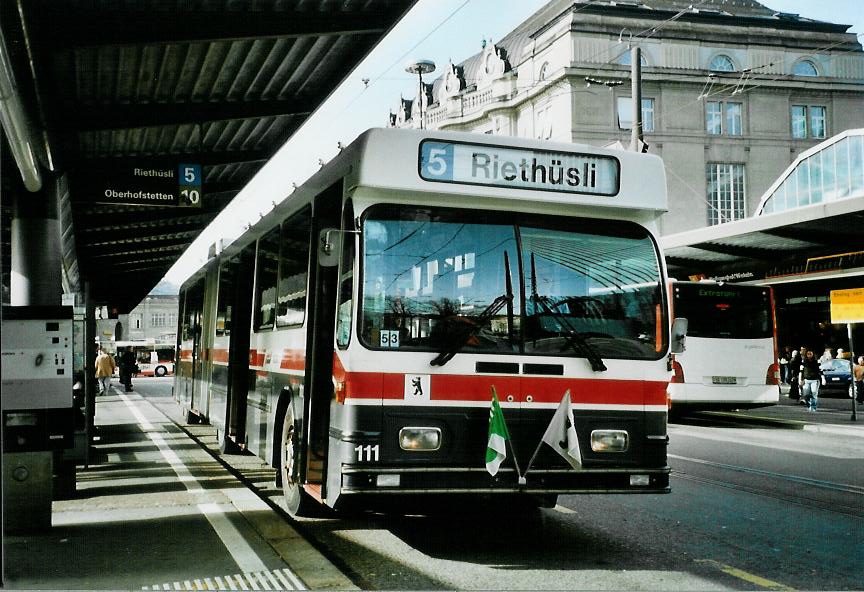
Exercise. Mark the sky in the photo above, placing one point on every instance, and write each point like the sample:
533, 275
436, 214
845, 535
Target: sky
439, 30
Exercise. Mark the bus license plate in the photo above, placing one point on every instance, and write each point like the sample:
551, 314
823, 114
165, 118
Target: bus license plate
723, 379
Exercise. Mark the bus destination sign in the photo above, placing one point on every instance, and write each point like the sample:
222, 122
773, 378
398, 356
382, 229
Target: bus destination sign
147, 185
500, 166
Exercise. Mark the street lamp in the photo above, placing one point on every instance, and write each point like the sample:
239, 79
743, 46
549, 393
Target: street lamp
420, 67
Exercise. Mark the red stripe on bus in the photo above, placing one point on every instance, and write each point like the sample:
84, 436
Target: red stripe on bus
293, 359
186, 355
256, 358
219, 355
591, 390
378, 385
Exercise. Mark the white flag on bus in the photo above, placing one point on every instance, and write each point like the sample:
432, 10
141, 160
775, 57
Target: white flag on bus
561, 433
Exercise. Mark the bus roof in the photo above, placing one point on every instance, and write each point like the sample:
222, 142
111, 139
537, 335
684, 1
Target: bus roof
504, 167
479, 166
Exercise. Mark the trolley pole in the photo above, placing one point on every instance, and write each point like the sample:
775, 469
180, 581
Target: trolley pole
636, 91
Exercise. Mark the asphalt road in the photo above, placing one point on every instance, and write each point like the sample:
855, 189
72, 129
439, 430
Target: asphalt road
752, 507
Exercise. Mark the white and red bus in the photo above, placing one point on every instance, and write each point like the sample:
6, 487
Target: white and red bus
151, 357
731, 356
353, 335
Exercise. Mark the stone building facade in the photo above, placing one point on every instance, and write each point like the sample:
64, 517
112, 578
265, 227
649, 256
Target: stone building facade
732, 91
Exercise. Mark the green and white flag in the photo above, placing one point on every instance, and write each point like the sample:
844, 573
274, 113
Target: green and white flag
496, 449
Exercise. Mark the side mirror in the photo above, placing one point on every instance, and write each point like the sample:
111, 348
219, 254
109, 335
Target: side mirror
679, 336
330, 245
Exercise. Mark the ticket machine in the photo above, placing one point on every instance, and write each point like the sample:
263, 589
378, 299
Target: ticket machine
37, 407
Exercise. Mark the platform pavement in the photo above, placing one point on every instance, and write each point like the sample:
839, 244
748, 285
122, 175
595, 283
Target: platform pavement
833, 416
139, 520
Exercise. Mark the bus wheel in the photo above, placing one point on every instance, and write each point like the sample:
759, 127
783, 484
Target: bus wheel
298, 501
160, 371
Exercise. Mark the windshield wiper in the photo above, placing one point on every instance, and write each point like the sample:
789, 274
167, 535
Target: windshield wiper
467, 331
572, 337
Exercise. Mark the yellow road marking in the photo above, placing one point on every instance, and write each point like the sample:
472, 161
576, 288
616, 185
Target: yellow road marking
746, 576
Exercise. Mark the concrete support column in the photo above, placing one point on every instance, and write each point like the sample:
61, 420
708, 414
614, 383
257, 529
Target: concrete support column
89, 369
36, 254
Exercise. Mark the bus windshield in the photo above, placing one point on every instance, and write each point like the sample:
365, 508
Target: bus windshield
441, 279
724, 311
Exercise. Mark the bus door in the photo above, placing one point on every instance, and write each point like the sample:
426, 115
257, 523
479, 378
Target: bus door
193, 329
321, 331
235, 310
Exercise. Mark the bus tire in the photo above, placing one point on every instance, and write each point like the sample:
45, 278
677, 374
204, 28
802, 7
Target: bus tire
298, 502
160, 371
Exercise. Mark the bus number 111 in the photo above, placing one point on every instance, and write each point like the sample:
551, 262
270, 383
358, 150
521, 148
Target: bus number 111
367, 453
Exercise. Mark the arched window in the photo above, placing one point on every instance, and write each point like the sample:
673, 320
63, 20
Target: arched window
721, 63
805, 68
544, 70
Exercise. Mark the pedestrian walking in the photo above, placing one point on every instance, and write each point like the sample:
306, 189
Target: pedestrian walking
811, 376
784, 364
127, 368
105, 367
826, 356
858, 379
794, 370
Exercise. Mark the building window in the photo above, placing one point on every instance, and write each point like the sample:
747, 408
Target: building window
543, 126
625, 114
721, 63
733, 119
136, 320
544, 70
725, 190
172, 319
723, 118
157, 319
805, 68
808, 121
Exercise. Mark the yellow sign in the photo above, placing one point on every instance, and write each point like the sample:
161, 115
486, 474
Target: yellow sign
847, 306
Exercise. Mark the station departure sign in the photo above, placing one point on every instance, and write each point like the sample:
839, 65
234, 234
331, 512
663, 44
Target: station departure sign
847, 306
170, 185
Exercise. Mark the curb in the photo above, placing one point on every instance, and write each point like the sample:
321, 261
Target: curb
300, 555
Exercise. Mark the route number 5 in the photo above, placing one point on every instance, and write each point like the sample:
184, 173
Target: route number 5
190, 174
437, 165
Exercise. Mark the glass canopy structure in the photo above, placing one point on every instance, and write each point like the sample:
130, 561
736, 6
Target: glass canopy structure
829, 171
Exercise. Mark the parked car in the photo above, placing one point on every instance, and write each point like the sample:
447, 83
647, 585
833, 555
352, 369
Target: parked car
836, 377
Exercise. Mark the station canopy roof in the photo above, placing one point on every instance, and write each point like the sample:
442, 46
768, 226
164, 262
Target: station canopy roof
822, 240
111, 86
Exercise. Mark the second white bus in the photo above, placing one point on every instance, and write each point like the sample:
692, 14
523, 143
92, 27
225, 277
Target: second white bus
731, 357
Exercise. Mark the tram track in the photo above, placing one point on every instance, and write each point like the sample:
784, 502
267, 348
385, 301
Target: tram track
853, 508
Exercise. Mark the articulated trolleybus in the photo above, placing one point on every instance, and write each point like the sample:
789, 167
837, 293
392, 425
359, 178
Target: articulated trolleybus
731, 356
354, 335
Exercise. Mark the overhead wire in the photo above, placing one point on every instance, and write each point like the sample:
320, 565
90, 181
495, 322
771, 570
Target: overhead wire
759, 82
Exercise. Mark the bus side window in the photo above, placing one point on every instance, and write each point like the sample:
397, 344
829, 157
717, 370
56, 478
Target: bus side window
346, 279
267, 270
294, 269
226, 293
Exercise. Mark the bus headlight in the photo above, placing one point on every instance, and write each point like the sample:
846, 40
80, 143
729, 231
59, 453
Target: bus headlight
609, 440
420, 439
